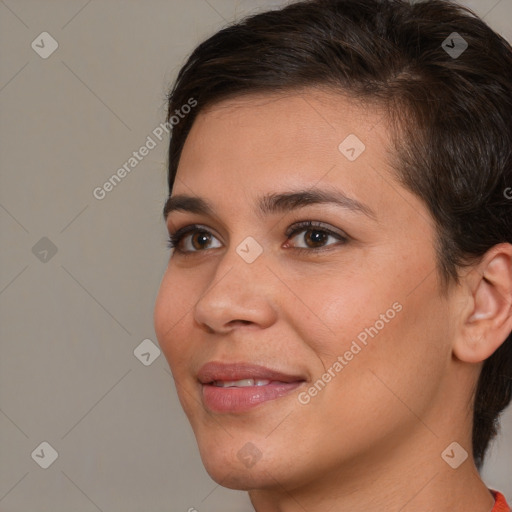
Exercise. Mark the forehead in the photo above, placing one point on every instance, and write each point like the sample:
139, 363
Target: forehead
300, 134
244, 148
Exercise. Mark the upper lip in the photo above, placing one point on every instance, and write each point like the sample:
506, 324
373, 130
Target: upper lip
215, 371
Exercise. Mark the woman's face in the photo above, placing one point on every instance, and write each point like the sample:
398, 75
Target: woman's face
347, 312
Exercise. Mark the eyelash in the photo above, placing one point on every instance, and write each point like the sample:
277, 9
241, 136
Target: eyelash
176, 238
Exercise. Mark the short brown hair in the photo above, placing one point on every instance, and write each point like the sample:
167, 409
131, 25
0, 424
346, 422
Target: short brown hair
453, 148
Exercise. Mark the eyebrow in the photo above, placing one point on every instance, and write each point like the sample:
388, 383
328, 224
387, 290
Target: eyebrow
272, 203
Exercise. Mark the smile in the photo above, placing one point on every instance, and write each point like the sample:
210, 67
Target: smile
243, 383
236, 388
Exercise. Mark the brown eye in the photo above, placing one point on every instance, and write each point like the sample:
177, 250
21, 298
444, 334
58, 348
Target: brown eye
200, 240
315, 237
192, 239
309, 235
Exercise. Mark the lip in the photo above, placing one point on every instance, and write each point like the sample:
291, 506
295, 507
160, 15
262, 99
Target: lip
213, 371
241, 399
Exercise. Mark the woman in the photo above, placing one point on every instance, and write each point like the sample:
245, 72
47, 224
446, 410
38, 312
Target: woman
336, 310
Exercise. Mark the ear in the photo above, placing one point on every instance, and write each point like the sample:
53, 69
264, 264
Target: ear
487, 317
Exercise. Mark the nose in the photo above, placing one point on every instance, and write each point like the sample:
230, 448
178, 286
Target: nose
238, 294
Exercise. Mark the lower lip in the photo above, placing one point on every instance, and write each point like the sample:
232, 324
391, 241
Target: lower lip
234, 399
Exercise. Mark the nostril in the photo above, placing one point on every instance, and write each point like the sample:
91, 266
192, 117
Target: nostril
243, 322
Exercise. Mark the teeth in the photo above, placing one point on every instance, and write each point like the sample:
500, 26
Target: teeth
261, 382
243, 383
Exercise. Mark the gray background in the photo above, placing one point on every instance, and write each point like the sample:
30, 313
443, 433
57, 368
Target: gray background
70, 321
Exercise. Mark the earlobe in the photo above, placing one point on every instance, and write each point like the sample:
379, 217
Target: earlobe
488, 323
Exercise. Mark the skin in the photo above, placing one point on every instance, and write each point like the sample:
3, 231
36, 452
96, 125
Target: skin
372, 438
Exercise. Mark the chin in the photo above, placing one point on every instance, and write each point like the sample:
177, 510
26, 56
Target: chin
233, 474
237, 468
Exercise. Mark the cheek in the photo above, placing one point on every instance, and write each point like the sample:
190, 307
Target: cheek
173, 307
172, 316
344, 306
395, 355
380, 329
370, 295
